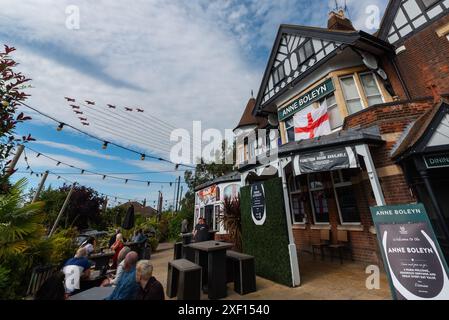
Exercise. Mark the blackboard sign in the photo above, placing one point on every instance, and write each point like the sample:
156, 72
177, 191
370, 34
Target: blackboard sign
258, 207
413, 258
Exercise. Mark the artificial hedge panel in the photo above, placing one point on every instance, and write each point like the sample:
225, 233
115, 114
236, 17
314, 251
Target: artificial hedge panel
269, 242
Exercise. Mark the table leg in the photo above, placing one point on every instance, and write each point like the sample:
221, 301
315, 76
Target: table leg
217, 274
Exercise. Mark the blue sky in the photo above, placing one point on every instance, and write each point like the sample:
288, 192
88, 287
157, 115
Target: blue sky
178, 60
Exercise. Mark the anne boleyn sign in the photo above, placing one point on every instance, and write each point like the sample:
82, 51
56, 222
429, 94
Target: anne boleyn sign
412, 256
306, 99
258, 206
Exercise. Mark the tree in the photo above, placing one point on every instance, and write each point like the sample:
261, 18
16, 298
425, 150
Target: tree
206, 171
12, 85
83, 210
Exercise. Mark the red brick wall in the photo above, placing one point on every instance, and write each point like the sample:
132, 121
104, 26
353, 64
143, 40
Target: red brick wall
426, 61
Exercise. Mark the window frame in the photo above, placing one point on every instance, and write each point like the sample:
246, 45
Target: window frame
287, 140
217, 224
335, 105
377, 84
337, 202
313, 204
290, 193
352, 75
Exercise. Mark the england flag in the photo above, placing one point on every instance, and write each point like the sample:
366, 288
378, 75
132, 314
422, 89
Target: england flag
312, 122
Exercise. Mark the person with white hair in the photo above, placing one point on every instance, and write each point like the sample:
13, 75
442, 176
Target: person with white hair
149, 287
126, 287
117, 247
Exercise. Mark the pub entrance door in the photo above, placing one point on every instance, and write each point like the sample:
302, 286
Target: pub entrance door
209, 216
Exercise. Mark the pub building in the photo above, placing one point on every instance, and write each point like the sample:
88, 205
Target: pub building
357, 120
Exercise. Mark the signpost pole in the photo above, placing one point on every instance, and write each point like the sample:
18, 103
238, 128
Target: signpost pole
64, 206
39, 188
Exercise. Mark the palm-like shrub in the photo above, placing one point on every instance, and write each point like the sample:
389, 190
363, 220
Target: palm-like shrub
20, 225
22, 242
231, 218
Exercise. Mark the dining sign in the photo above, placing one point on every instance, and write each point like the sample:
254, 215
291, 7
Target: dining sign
415, 265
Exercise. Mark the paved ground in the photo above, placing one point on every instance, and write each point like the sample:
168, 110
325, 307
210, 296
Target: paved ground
320, 280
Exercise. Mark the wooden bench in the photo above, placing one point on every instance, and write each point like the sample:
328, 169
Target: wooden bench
241, 270
39, 275
184, 280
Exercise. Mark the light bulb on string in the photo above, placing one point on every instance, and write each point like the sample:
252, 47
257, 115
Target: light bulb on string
82, 171
59, 162
59, 128
148, 183
105, 145
37, 156
142, 157
104, 177
126, 181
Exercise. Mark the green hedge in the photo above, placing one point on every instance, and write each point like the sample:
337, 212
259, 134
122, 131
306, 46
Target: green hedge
267, 243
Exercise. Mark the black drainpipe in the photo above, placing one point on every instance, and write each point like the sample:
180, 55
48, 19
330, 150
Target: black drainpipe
401, 79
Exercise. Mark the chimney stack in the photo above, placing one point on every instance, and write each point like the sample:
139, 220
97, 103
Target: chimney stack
338, 21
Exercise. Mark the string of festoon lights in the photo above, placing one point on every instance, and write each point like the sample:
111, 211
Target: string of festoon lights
30, 170
103, 175
62, 124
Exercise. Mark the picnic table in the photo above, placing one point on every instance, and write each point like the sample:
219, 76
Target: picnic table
211, 256
95, 280
95, 293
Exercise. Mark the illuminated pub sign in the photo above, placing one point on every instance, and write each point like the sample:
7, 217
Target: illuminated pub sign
412, 256
437, 160
306, 99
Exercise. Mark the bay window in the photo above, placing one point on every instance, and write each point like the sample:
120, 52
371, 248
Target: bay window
345, 197
351, 94
371, 88
298, 198
335, 118
290, 129
318, 198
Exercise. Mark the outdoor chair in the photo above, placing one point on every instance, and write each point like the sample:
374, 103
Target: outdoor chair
184, 280
39, 275
241, 270
324, 242
341, 245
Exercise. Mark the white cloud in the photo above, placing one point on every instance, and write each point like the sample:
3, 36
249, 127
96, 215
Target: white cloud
42, 163
75, 149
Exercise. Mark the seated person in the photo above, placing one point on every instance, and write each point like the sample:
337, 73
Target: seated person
112, 281
126, 287
90, 245
139, 236
75, 269
201, 232
149, 287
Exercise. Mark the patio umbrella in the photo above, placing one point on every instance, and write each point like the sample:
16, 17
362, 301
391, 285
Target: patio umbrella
128, 222
118, 219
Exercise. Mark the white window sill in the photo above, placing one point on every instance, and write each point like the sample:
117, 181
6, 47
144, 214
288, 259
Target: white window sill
299, 226
320, 227
350, 227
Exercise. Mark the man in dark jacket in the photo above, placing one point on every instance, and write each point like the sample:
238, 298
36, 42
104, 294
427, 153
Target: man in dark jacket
149, 287
201, 232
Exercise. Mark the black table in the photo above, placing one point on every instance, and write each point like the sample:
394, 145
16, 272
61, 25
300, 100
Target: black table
211, 256
101, 260
96, 293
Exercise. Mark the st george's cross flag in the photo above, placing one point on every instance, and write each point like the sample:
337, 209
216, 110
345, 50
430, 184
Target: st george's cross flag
312, 122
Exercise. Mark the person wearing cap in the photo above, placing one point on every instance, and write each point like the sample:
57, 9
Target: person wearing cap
201, 231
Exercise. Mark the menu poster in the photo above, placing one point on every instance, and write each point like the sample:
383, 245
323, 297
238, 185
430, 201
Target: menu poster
413, 259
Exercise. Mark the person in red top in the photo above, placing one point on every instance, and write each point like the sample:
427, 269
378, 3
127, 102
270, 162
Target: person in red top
117, 246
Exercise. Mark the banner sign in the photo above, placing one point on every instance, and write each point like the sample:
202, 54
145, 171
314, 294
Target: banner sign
436, 160
258, 207
413, 259
306, 99
207, 195
327, 160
